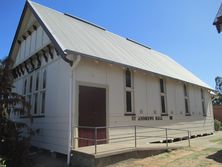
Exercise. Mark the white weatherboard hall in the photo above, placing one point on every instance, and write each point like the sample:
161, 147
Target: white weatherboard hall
77, 74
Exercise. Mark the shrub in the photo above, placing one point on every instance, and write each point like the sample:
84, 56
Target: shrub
14, 145
217, 125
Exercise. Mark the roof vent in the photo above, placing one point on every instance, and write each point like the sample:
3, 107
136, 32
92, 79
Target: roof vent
138, 43
77, 18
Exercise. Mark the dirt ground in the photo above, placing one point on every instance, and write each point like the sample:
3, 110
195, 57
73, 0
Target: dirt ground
204, 152
46, 159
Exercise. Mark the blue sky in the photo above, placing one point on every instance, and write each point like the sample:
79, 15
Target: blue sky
182, 30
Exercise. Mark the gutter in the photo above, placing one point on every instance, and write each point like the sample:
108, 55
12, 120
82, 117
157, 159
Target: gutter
74, 65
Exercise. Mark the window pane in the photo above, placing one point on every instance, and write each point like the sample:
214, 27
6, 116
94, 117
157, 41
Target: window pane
128, 78
185, 90
44, 80
202, 94
128, 102
162, 86
186, 106
29, 99
30, 85
24, 88
36, 104
203, 107
43, 103
37, 81
163, 104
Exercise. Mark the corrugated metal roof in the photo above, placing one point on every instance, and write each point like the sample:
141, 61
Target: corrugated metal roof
219, 14
218, 19
74, 34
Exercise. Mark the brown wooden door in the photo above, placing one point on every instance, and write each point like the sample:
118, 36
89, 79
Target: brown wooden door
92, 113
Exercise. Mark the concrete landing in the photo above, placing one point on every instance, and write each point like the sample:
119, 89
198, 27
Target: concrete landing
80, 159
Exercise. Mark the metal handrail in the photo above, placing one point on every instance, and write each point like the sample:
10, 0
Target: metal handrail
127, 126
136, 135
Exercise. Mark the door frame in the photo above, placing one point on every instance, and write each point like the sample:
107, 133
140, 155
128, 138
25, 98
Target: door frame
76, 114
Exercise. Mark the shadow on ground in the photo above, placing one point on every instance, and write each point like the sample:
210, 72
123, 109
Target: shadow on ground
216, 156
46, 159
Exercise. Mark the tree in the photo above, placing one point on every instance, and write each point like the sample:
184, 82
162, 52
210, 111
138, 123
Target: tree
14, 136
217, 100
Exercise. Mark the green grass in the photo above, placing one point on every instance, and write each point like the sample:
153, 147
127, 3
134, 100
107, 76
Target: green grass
218, 141
196, 158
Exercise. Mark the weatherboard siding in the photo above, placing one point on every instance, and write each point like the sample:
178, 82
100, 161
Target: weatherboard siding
54, 126
33, 43
147, 98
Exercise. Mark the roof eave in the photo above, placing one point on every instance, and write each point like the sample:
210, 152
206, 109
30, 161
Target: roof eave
17, 30
51, 37
120, 64
217, 23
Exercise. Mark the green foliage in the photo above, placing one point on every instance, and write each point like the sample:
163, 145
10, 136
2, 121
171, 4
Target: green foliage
218, 100
2, 162
14, 143
217, 125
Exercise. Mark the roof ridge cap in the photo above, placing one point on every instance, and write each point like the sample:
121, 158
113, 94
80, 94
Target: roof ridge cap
85, 21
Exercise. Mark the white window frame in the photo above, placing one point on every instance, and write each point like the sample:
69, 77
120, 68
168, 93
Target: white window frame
36, 92
39, 92
26, 92
42, 90
203, 102
186, 98
164, 95
131, 91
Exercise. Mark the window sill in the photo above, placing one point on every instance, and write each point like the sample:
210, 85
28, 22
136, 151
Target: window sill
129, 114
33, 116
164, 115
188, 114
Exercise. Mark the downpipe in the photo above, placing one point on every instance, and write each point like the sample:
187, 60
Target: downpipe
73, 67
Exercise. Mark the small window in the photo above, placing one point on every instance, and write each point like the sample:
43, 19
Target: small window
203, 102
186, 106
162, 90
163, 105
30, 84
25, 86
44, 80
202, 94
129, 91
128, 78
37, 81
186, 100
43, 92
203, 107
35, 91
128, 102
163, 97
43, 103
185, 90
36, 103
29, 99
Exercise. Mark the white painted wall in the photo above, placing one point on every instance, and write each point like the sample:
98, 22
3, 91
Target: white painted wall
32, 44
54, 125
147, 98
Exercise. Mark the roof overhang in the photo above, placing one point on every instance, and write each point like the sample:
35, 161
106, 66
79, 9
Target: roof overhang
45, 28
218, 23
